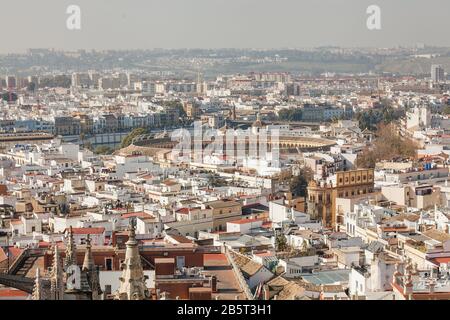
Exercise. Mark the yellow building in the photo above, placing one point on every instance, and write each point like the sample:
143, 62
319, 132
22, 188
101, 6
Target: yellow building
322, 194
224, 211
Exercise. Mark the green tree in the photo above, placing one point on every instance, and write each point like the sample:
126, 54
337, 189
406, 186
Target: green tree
103, 150
128, 140
446, 110
374, 117
299, 184
291, 114
175, 104
281, 243
9, 96
31, 87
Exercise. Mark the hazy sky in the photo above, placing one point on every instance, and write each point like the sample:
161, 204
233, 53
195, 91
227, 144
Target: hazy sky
142, 24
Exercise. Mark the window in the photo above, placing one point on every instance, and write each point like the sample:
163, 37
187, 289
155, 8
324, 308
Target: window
108, 264
180, 262
107, 289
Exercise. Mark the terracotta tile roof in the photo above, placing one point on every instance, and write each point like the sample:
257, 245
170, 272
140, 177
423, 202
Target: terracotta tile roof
214, 257
183, 210
16, 222
247, 266
180, 239
437, 235
99, 230
441, 260
140, 214
14, 252
11, 293
3, 256
267, 224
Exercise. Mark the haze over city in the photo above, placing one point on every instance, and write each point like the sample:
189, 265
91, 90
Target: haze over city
136, 24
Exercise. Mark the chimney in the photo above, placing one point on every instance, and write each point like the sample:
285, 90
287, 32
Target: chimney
432, 285
266, 292
213, 281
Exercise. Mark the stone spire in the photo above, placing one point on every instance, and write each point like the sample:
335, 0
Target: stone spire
88, 263
90, 272
132, 281
56, 278
71, 250
37, 290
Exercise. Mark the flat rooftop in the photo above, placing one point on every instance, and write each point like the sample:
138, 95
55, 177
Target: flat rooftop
228, 287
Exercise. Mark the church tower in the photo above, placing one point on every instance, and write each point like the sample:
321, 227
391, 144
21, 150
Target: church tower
132, 281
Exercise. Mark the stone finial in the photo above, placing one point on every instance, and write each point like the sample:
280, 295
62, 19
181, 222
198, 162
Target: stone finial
71, 249
37, 290
56, 277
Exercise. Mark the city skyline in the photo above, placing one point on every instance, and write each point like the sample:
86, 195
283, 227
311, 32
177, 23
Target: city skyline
224, 24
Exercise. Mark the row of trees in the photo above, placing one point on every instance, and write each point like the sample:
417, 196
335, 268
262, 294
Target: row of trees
291, 114
128, 140
372, 118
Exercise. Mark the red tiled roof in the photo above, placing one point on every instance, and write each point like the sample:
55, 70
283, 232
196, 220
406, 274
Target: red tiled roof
390, 229
180, 239
441, 260
45, 244
14, 252
99, 230
12, 293
3, 256
214, 256
267, 224
183, 210
140, 214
